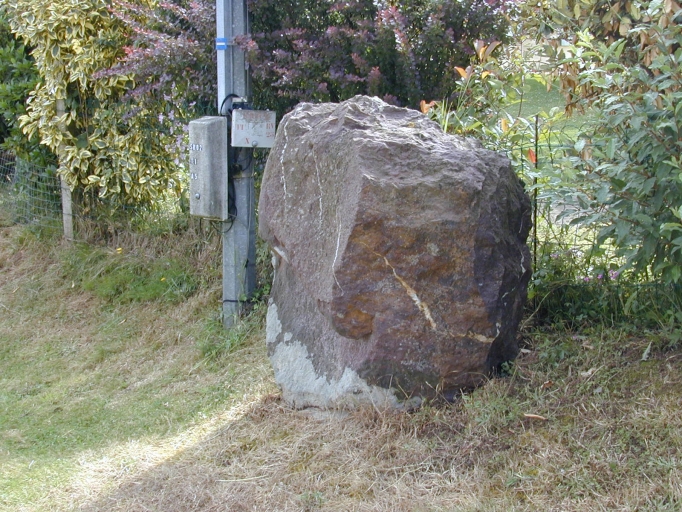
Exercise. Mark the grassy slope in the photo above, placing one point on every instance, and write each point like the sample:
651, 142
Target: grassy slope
85, 380
109, 406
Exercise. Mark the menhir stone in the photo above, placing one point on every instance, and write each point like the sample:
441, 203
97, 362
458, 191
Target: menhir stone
401, 266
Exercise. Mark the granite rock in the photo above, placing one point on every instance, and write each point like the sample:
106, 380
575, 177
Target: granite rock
401, 263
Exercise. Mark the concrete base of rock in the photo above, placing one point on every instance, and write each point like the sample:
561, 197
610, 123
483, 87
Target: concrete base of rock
302, 386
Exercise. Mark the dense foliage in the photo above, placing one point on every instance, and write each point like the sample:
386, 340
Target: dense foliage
169, 49
118, 72
96, 139
18, 76
129, 73
634, 22
625, 172
331, 50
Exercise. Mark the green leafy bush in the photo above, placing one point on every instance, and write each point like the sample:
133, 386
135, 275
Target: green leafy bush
18, 76
110, 148
624, 173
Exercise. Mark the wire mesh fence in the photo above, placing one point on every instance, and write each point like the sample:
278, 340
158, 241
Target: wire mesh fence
29, 194
577, 279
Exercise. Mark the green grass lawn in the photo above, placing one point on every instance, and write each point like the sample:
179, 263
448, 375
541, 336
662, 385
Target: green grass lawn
537, 100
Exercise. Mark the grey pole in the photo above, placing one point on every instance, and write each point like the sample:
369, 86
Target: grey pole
239, 241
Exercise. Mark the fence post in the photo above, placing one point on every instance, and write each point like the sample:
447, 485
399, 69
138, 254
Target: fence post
67, 210
67, 205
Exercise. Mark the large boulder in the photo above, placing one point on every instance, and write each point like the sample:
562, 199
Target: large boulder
400, 258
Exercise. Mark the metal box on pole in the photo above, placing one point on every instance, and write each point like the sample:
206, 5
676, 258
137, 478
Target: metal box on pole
208, 190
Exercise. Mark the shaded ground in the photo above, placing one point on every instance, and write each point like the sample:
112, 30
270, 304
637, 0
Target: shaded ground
615, 453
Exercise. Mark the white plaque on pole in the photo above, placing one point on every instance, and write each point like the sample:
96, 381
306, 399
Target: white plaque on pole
253, 128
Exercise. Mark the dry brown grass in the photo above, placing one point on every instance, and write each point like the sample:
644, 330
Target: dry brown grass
265, 456
611, 438
274, 458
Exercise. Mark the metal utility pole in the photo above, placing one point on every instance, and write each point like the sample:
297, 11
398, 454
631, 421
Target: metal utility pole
239, 232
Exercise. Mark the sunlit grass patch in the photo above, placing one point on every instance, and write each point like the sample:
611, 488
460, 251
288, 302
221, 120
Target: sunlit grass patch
115, 275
